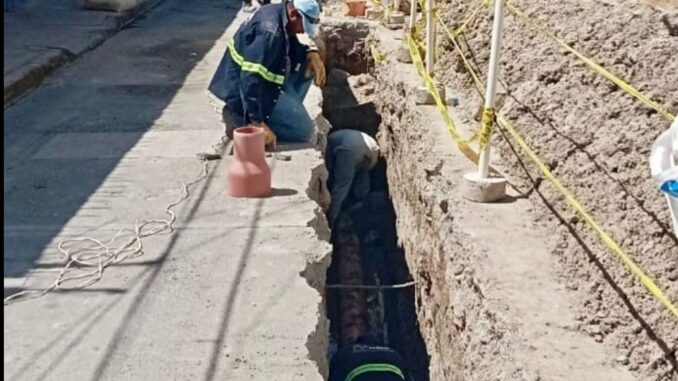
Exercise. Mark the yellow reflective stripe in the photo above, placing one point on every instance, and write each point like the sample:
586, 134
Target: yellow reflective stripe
374, 368
253, 67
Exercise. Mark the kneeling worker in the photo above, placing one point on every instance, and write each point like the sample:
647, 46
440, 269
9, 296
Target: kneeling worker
264, 76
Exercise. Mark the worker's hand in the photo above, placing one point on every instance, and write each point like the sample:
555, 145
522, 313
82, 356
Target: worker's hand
269, 136
316, 63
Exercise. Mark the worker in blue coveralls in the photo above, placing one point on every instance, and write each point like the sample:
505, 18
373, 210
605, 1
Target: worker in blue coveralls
349, 157
266, 72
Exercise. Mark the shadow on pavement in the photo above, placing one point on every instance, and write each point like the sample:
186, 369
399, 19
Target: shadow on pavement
120, 89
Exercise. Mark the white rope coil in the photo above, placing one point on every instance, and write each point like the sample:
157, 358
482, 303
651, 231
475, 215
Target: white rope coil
87, 257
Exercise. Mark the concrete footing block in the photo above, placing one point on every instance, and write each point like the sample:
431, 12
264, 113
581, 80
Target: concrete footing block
396, 20
374, 14
477, 189
450, 98
403, 55
424, 97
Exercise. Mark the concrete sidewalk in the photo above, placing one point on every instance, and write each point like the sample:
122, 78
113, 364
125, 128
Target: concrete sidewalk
42, 35
234, 293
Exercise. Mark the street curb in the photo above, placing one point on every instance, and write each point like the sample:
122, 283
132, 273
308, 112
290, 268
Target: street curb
33, 77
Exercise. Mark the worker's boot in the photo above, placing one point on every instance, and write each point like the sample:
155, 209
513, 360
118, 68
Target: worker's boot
228, 121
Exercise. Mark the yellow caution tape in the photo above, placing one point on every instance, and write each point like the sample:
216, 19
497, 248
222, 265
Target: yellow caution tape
485, 133
441, 106
420, 25
607, 240
469, 20
595, 66
648, 282
449, 123
377, 4
388, 11
486, 124
387, 14
452, 37
377, 55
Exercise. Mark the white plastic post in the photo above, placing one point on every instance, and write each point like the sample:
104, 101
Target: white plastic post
413, 14
430, 37
493, 71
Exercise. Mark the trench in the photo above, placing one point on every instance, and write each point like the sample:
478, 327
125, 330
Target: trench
365, 240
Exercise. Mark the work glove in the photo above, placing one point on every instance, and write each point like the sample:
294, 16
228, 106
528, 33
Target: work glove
317, 65
269, 136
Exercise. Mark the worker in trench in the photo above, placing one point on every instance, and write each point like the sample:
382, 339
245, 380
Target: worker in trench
349, 157
266, 72
366, 360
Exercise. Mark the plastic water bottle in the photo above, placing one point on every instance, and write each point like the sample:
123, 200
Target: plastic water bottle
668, 182
664, 168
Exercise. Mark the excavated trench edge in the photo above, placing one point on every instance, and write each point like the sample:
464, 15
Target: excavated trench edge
317, 263
468, 333
396, 308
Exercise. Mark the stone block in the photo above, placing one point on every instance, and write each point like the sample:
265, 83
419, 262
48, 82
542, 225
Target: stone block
424, 97
477, 189
374, 14
396, 19
403, 55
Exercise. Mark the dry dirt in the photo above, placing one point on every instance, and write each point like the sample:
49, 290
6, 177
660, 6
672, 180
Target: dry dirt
663, 4
596, 138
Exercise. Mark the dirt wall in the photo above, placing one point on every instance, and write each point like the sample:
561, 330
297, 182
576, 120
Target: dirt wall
464, 337
596, 138
345, 43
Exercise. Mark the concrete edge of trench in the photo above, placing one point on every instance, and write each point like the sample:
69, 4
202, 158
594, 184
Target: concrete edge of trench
21, 82
315, 271
309, 337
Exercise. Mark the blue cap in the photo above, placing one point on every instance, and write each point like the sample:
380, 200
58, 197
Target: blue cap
310, 13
